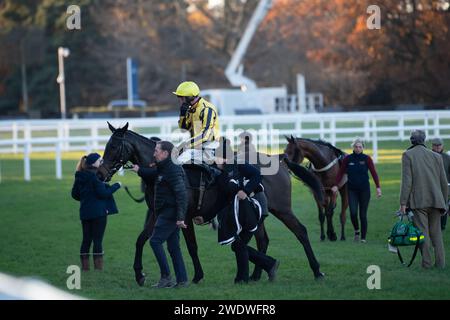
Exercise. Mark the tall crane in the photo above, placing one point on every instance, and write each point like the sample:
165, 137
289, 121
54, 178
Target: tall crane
249, 98
234, 69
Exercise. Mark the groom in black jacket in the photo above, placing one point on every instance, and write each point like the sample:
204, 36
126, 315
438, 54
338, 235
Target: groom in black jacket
242, 180
170, 208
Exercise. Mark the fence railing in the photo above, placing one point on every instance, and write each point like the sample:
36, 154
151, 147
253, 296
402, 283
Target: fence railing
58, 136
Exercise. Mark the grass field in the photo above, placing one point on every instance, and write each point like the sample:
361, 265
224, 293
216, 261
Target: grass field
41, 233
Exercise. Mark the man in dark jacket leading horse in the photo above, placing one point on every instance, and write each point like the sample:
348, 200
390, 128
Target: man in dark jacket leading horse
170, 208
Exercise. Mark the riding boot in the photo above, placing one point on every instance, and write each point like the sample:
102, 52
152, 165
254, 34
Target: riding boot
211, 174
98, 261
84, 262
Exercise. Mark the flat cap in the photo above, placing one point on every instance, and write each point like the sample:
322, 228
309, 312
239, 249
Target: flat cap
437, 141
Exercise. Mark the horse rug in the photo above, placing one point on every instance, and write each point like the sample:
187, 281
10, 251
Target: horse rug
239, 215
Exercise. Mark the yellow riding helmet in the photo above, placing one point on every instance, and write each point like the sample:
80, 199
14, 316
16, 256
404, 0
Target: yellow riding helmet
187, 89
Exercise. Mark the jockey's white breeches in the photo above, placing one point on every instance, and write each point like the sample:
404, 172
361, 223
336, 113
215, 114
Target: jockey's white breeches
198, 156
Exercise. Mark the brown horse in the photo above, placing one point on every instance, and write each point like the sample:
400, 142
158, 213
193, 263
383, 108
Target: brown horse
325, 161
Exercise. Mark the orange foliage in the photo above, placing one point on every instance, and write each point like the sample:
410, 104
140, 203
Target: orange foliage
197, 18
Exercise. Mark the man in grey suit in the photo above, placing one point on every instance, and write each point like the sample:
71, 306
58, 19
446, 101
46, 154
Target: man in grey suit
424, 190
437, 145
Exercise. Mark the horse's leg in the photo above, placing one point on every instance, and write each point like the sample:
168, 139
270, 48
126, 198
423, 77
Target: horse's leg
322, 221
329, 211
191, 243
344, 206
291, 221
330, 228
262, 243
140, 243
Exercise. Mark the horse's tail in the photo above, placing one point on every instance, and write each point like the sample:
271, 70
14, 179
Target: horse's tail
131, 196
309, 179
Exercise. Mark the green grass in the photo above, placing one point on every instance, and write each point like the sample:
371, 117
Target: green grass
41, 234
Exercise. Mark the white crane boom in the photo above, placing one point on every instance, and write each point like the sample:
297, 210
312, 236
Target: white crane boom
234, 70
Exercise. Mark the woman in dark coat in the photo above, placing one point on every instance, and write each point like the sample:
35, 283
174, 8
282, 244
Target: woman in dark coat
96, 202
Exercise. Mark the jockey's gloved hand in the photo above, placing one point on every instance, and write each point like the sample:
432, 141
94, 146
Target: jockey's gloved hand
182, 146
184, 108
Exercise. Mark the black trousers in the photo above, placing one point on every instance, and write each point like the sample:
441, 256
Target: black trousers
359, 199
245, 253
93, 231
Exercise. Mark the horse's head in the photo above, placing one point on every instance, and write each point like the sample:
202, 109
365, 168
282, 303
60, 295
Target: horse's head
293, 151
118, 152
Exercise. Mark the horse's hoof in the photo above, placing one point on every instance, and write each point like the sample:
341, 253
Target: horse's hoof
320, 276
140, 279
332, 237
196, 280
322, 238
342, 238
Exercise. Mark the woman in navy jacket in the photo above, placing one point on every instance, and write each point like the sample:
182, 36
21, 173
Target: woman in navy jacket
96, 202
356, 166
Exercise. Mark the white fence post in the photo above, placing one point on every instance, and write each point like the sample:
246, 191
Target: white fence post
27, 135
367, 128
66, 136
322, 133
14, 137
94, 136
402, 128
58, 160
264, 131
374, 140
298, 127
26, 161
437, 132
333, 131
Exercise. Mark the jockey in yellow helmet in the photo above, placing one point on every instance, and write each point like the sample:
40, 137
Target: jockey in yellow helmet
200, 118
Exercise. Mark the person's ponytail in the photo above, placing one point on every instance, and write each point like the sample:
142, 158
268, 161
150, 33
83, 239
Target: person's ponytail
81, 164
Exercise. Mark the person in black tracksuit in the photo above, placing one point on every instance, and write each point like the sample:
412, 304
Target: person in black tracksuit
170, 209
96, 202
356, 166
231, 183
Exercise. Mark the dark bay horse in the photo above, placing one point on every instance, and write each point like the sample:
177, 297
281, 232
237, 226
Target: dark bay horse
325, 162
126, 145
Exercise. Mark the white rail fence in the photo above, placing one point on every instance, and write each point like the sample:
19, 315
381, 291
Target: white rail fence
58, 136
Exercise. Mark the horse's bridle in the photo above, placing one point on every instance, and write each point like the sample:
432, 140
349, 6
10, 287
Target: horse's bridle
118, 161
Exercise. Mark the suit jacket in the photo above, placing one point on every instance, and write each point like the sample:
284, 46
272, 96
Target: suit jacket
424, 182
